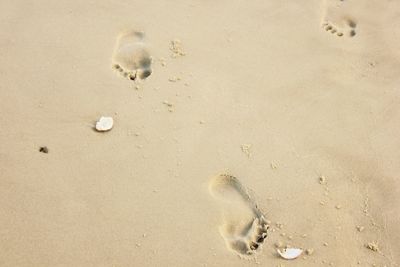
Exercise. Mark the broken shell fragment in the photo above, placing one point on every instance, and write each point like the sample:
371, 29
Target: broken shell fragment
104, 124
289, 253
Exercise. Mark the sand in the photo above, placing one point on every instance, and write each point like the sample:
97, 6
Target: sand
297, 101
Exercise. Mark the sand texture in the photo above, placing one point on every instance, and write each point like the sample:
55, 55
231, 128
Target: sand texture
239, 128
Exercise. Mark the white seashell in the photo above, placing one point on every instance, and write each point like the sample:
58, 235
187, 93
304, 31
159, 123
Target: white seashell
290, 253
104, 124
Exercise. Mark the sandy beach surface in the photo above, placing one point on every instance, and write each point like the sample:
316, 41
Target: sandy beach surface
240, 127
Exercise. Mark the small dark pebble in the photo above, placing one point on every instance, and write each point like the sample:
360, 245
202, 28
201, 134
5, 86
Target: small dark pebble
44, 149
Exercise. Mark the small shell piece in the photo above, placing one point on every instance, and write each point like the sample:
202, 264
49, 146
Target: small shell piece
290, 253
104, 124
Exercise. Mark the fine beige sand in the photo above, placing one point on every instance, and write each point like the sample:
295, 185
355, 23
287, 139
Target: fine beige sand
240, 127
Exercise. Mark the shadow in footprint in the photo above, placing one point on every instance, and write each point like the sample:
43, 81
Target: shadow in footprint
244, 227
131, 57
336, 20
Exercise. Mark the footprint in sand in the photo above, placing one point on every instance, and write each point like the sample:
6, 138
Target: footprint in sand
244, 227
131, 57
336, 20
